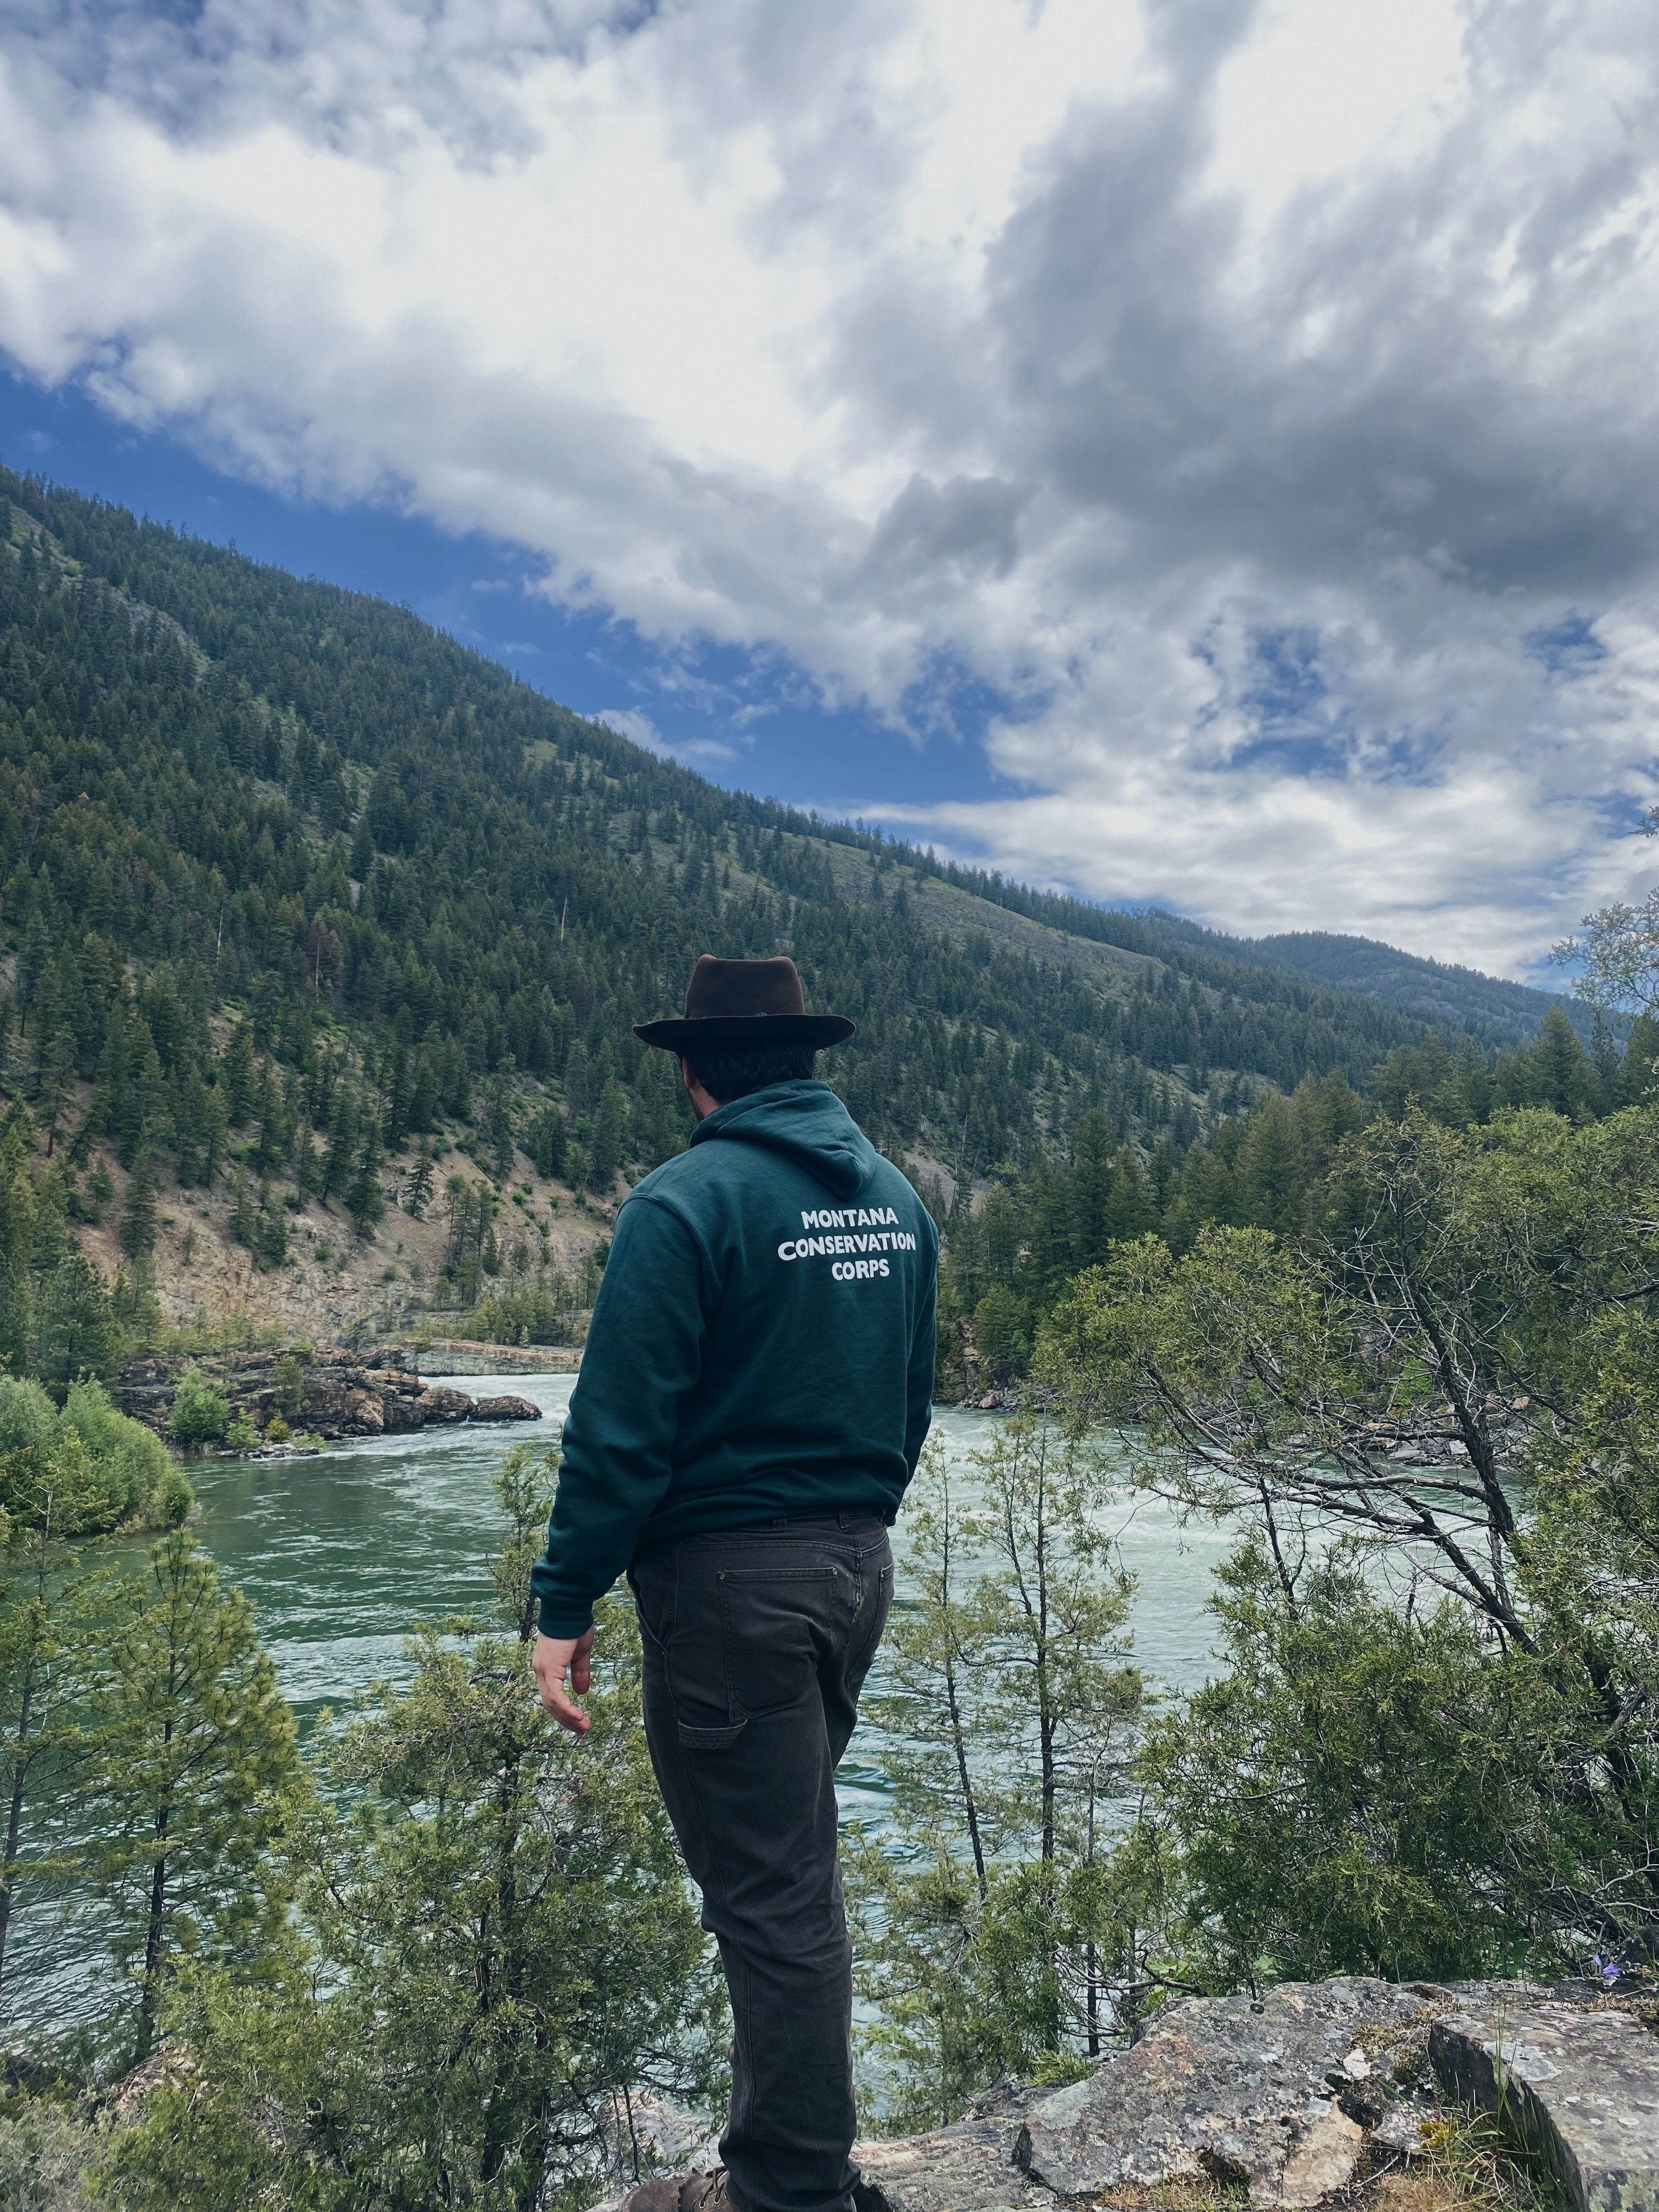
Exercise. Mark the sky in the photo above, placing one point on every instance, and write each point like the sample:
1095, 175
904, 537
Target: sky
1184, 451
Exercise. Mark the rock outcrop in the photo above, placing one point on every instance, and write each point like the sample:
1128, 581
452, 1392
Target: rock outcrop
1278, 2094
1581, 2087
334, 1395
1298, 2096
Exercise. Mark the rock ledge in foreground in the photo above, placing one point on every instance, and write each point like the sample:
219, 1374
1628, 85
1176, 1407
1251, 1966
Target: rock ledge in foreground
1299, 2096
1581, 2086
1277, 2096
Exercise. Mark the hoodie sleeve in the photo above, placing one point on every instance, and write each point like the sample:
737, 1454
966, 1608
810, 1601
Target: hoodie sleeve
918, 1380
644, 1352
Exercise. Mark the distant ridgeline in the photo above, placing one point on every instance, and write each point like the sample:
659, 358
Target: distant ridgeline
289, 881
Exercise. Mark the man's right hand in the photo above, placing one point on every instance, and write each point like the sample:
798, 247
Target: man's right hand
554, 1658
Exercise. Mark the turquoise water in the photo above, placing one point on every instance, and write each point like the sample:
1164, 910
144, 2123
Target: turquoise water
344, 1554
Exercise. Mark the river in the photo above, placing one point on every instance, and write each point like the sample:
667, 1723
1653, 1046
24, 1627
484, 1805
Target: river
341, 1555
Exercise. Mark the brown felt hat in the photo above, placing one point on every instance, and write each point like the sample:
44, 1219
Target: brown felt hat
744, 1005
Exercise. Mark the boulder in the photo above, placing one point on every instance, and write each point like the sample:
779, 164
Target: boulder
1580, 2085
966, 2167
1299, 2095
1234, 2090
506, 1408
437, 1403
360, 1413
400, 1412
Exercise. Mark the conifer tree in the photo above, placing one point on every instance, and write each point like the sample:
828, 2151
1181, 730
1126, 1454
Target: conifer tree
17, 1218
244, 1222
1639, 1071
76, 1329
498, 1130
236, 1076
365, 1199
345, 1121
41, 1616
196, 1775
494, 1947
417, 1191
1562, 1066
608, 1149
138, 1210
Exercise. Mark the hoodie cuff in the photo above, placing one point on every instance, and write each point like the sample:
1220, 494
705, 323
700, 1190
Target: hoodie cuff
563, 1622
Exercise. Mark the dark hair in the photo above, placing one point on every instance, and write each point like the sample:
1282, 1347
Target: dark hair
728, 1075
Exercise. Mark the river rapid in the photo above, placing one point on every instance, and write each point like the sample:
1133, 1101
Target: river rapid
342, 1554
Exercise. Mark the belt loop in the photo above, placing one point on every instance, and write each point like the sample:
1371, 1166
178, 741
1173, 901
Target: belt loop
845, 1518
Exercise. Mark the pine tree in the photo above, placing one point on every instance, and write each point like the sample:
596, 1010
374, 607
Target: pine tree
196, 1775
609, 1147
216, 1129
138, 1210
417, 1192
244, 1222
499, 1130
272, 1235
551, 1139
17, 1218
365, 1199
344, 1126
1640, 1071
1563, 1069
1272, 1175
236, 1075
76, 1329
40, 1615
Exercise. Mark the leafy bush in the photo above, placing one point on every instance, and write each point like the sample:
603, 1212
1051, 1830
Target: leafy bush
43, 2148
174, 1498
199, 1415
28, 1419
118, 1467
136, 1455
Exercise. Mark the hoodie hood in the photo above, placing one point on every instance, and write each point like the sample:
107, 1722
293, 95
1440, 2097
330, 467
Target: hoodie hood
805, 1121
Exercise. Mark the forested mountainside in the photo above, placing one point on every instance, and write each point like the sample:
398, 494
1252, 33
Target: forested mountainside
1458, 998
298, 893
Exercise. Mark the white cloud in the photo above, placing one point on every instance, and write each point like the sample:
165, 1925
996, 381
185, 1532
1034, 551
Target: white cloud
1248, 396
630, 722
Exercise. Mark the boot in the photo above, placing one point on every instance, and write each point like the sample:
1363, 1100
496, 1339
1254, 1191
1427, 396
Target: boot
681, 2193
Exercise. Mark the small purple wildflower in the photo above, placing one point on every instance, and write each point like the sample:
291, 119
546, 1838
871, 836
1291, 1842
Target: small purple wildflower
1605, 1969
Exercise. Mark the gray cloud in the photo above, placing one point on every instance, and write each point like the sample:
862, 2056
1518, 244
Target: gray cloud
1260, 400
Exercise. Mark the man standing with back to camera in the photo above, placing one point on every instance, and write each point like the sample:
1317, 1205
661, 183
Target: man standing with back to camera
755, 1388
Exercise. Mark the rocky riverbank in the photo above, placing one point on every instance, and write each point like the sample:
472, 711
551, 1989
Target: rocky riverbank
465, 1355
332, 1394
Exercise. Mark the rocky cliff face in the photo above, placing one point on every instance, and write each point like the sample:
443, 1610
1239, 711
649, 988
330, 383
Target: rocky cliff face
329, 1394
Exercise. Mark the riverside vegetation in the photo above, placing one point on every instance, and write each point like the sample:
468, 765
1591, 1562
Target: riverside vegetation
308, 905
432, 1961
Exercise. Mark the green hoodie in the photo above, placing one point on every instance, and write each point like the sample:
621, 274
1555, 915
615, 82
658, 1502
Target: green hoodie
761, 1346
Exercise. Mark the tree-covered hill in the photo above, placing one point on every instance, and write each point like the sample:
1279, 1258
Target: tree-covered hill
298, 893
1457, 998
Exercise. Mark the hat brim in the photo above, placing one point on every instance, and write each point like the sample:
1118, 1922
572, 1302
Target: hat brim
745, 1032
